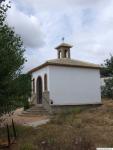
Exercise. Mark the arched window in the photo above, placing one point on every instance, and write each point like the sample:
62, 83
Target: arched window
33, 85
65, 54
45, 82
59, 54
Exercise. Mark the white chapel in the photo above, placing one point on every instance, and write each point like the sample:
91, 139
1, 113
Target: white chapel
65, 82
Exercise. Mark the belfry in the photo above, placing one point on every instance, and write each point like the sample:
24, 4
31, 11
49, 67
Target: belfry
63, 50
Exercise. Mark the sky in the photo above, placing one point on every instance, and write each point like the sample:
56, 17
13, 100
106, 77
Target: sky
86, 24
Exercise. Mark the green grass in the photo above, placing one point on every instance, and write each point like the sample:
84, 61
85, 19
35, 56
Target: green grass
27, 146
67, 115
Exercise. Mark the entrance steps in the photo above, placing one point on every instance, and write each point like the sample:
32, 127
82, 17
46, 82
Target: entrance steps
35, 111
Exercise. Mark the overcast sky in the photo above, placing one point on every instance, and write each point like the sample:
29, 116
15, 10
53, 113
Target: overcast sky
86, 24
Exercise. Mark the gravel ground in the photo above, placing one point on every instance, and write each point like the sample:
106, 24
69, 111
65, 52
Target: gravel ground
23, 120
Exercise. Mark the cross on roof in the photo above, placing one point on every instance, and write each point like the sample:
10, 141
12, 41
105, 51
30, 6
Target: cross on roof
63, 39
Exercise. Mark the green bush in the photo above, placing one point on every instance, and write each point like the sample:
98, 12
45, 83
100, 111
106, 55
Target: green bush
107, 90
26, 105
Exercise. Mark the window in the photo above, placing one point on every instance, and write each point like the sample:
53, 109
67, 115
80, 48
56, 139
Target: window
33, 81
45, 82
59, 54
65, 53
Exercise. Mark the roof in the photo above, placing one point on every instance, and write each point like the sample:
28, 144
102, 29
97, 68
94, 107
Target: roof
66, 62
64, 45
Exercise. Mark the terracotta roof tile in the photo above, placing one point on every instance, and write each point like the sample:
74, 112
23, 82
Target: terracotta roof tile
64, 45
66, 62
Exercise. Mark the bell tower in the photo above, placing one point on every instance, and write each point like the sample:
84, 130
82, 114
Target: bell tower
63, 50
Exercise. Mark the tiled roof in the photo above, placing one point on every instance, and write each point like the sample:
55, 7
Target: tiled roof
64, 45
68, 63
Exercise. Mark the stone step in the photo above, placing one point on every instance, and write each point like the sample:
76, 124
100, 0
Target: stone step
35, 111
32, 115
36, 108
39, 105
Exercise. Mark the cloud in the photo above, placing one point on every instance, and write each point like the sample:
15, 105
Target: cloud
86, 24
62, 5
27, 26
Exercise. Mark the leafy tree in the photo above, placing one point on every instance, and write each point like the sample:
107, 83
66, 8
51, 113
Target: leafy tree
107, 90
107, 67
21, 88
11, 63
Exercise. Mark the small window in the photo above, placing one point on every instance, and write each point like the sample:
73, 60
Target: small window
60, 54
65, 53
45, 82
33, 81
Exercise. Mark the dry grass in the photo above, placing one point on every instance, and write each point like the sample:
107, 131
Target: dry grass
80, 129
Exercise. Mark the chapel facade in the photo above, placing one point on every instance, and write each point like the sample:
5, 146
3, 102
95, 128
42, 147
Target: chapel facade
65, 82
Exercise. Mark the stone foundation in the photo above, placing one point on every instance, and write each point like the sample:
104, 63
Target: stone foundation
55, 109
46, 101
71, 108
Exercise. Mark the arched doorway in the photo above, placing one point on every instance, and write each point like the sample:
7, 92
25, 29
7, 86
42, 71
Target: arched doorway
39, 90
45, 83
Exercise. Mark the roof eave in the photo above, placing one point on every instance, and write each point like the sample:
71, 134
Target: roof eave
66, 65
61, 45
37, 68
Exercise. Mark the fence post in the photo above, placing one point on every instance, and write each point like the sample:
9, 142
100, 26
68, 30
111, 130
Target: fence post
8, 135
14, 131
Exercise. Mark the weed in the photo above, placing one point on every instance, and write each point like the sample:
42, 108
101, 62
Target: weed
27, 146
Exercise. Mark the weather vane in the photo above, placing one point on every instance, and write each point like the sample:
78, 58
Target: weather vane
63, 39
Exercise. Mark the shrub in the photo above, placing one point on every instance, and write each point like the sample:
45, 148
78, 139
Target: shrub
26, 105
107, 90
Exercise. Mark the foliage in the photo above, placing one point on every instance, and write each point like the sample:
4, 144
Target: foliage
107, 67
21, 88
107, 71
104, 71
107, 90
11, 64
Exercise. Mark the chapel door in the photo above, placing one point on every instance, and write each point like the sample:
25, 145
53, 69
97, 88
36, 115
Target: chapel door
39, 90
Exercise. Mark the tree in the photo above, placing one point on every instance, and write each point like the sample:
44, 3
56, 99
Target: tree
11, 61
21, 88
107, 67
107, 90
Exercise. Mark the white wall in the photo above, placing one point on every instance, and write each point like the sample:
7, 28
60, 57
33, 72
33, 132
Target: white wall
70, 86
41, 73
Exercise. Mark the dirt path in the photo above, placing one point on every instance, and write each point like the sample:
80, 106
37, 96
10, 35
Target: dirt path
24, 120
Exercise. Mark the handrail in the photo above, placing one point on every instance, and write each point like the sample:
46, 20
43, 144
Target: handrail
45, 99
33, 97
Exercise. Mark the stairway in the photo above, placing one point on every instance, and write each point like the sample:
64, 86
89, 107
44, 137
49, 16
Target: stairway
35, 111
